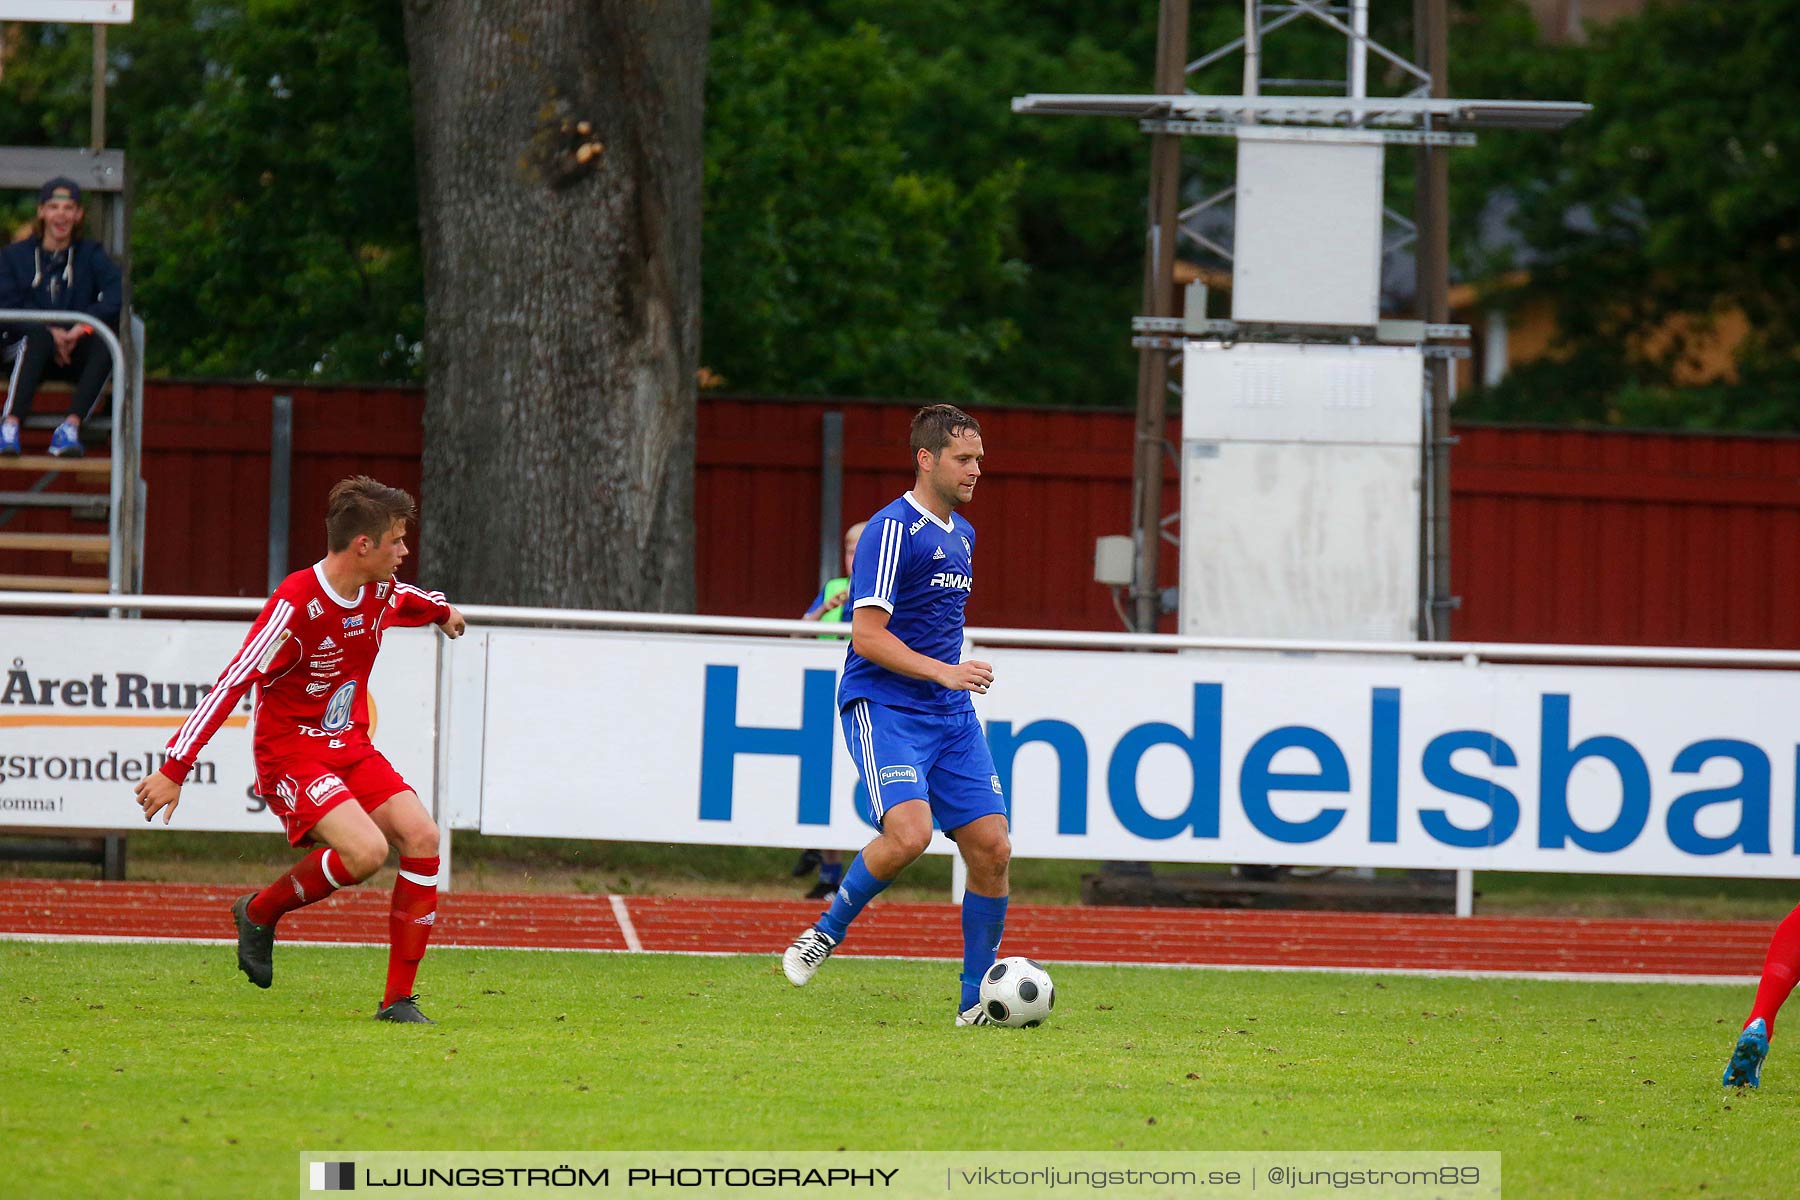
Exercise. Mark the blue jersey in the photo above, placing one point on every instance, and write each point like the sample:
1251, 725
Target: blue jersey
921, 570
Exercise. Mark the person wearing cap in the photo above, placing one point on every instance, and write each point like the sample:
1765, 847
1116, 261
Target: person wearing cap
56, 268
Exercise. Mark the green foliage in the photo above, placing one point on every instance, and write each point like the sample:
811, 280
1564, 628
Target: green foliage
286, 239
1668, 208
198, 1084
878, 221
270, 145
45, 85
835, 262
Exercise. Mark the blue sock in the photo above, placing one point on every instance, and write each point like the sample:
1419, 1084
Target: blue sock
831, 873
859, 887
983, 921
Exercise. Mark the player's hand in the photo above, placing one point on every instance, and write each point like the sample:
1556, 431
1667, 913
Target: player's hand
971, 676
156, 793
453, 625
836, 601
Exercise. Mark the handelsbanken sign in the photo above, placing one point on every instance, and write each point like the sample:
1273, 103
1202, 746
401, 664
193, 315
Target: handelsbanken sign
1181, 758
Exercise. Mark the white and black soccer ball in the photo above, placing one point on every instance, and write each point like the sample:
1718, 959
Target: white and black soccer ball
1017, 992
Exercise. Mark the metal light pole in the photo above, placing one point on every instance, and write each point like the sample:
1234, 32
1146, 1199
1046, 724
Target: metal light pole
97, 96
1431, 210
1163, 219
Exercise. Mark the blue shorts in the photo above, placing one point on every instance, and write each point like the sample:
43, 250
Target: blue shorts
905, 755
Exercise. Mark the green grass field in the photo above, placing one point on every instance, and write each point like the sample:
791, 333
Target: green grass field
155, 1070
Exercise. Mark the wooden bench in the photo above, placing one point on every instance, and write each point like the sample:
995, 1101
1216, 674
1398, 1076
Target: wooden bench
107, 851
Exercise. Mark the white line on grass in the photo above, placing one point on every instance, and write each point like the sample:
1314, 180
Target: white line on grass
1408, 972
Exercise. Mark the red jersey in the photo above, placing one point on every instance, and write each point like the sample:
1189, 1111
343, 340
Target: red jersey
311, 651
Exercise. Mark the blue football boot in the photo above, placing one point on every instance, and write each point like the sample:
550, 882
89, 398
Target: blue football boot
1745, 1067
9, 438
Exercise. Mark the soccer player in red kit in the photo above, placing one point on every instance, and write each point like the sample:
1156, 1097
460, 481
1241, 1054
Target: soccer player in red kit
310, 652
1781, 969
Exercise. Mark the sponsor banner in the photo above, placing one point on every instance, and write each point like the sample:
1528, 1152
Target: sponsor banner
1174, 758
1391, 763
973, 1174
88, 704
628, 737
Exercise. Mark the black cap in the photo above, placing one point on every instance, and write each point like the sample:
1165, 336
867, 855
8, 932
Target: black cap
60, 188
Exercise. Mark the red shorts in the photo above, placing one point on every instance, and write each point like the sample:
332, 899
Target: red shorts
301, 790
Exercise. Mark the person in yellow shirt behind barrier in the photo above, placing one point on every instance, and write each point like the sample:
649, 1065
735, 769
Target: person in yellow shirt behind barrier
829, 605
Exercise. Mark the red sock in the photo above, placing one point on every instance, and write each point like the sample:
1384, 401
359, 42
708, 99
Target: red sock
313, 878
1780, 969
409, 924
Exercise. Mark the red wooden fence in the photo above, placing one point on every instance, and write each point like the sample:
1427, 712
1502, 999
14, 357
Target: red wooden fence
1636, 539
1052, 482
1558, 535
206, 468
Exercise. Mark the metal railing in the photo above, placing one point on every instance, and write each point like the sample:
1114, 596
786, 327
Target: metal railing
122, 523
1053, 639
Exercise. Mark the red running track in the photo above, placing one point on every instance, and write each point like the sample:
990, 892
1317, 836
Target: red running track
713, 925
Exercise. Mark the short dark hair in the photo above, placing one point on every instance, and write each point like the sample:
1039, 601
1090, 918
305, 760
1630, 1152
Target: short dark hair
360, 505
935, 425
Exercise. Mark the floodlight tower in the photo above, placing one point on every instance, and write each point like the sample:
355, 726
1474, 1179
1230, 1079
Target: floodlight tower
1315, 459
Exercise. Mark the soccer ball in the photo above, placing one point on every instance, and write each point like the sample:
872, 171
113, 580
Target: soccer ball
1017, 992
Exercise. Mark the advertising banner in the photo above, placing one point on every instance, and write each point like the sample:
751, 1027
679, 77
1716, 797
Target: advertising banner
87, 705
1394, 763
1168, 757
664, 738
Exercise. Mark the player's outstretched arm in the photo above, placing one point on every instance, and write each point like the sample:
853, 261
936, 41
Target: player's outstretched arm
410, 607
268, 650
870, 635
156, 793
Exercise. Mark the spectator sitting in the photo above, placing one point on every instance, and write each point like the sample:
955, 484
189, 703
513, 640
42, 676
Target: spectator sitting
830, 605
56, 268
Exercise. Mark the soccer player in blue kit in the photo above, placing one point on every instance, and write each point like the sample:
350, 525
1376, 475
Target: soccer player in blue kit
905, 707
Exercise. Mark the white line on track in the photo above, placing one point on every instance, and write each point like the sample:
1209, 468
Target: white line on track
633, 946
623, 916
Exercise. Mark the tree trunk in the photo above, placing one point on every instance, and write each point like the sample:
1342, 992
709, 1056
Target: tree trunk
559, 152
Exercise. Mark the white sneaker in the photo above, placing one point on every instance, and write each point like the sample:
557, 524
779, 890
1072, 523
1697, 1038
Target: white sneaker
801, 960
973, 1015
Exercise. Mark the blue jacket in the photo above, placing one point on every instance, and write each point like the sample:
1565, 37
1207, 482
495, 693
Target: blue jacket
92, 283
